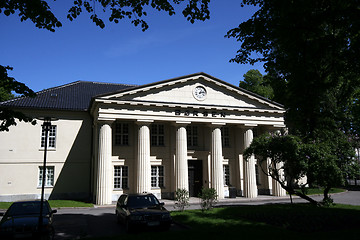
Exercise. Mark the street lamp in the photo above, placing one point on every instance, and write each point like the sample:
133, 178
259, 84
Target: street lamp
46, 127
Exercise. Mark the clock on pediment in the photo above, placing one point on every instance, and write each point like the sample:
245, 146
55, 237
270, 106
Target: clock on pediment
199, 93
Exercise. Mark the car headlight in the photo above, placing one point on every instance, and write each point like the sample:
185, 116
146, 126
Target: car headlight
136, 217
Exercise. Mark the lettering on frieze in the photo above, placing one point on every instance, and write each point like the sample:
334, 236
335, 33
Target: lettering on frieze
200, 113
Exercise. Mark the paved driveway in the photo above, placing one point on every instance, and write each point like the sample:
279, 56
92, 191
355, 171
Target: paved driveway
101, 221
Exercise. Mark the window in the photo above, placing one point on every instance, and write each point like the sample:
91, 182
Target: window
49, 176
157, 135
121, 177
226, 175
121, 134
192, 136
51, 137
225, 137
157, 176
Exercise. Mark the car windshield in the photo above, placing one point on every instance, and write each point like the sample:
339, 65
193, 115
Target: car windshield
27, 208
142, 201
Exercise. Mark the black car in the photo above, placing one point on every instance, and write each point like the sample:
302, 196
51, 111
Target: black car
21, 220
142, 210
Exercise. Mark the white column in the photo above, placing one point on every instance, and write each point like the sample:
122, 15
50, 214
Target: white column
143, 167
250, 187
104, 170
277, 189
181, 161
217, 179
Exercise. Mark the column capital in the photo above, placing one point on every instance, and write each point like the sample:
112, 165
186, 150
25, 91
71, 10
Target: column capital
181, 123
144, 122
216, 125
247, 126
105, 120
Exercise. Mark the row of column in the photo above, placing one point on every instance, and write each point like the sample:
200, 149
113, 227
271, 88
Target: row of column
143, 166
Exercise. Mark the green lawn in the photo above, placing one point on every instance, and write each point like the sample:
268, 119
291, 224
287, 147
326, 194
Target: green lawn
273, 221
55, 204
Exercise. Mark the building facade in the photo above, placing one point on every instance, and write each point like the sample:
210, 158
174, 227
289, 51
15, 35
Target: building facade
188, 132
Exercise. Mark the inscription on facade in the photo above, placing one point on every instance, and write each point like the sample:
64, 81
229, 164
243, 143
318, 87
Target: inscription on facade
200, 113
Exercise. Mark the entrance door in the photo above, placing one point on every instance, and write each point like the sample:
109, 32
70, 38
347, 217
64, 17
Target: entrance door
195, 177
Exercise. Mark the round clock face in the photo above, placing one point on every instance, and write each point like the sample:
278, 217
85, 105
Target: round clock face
200, 93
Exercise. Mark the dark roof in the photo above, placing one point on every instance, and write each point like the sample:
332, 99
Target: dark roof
74, 96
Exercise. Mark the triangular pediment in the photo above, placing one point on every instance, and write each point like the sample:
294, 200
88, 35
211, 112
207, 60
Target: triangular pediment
188, 90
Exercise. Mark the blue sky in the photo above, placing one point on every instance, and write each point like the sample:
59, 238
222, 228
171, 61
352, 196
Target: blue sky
122, 53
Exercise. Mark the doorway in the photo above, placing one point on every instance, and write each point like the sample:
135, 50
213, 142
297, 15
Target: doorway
195, 177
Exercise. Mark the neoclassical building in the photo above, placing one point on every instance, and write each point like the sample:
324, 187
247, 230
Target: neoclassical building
106, 139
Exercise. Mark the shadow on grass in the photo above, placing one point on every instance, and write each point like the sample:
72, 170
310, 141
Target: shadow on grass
295, 221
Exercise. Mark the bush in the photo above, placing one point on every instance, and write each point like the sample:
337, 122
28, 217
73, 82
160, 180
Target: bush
181, 199
208, 198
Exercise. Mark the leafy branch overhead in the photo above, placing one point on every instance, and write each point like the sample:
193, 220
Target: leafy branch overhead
39, 12
7, 86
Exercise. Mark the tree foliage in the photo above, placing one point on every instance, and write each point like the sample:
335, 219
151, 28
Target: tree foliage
255, 82
39, 12
7, 85
310, 50
317, 163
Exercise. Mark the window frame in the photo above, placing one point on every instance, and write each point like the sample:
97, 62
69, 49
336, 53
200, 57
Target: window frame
47, 175
51, 143
226, 174
192, 139
225, 136
121, 177
159, 179
120, 134
157, 135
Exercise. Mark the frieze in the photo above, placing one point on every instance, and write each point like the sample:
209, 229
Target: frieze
200, 113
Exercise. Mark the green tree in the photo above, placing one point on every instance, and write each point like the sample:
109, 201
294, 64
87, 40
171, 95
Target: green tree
255, 82
320, 162
310, 49
39, 12
7, 85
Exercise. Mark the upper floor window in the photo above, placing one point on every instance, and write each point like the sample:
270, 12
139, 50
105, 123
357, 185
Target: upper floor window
226, 169
121, 177
121, 134
157, 135
225, 139
192, 136
157, 176
49, 176
51, 137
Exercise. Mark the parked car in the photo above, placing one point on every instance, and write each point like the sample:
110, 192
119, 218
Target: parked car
21, 220
142, 211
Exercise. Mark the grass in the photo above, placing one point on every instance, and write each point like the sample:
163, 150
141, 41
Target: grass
55, 204
272, 221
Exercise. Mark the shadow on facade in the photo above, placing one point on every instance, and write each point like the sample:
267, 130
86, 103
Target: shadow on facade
73, 182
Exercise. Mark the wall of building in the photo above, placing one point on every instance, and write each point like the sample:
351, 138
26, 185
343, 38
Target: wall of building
22, 155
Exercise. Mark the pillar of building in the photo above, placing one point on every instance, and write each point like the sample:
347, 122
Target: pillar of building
143, 165
217, 179
277, 189
104, 170
250, 187
181, 161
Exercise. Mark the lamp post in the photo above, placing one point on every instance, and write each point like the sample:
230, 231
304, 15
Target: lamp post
46, 127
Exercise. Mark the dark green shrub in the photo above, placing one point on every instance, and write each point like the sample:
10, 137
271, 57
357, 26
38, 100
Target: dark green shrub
208, 198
